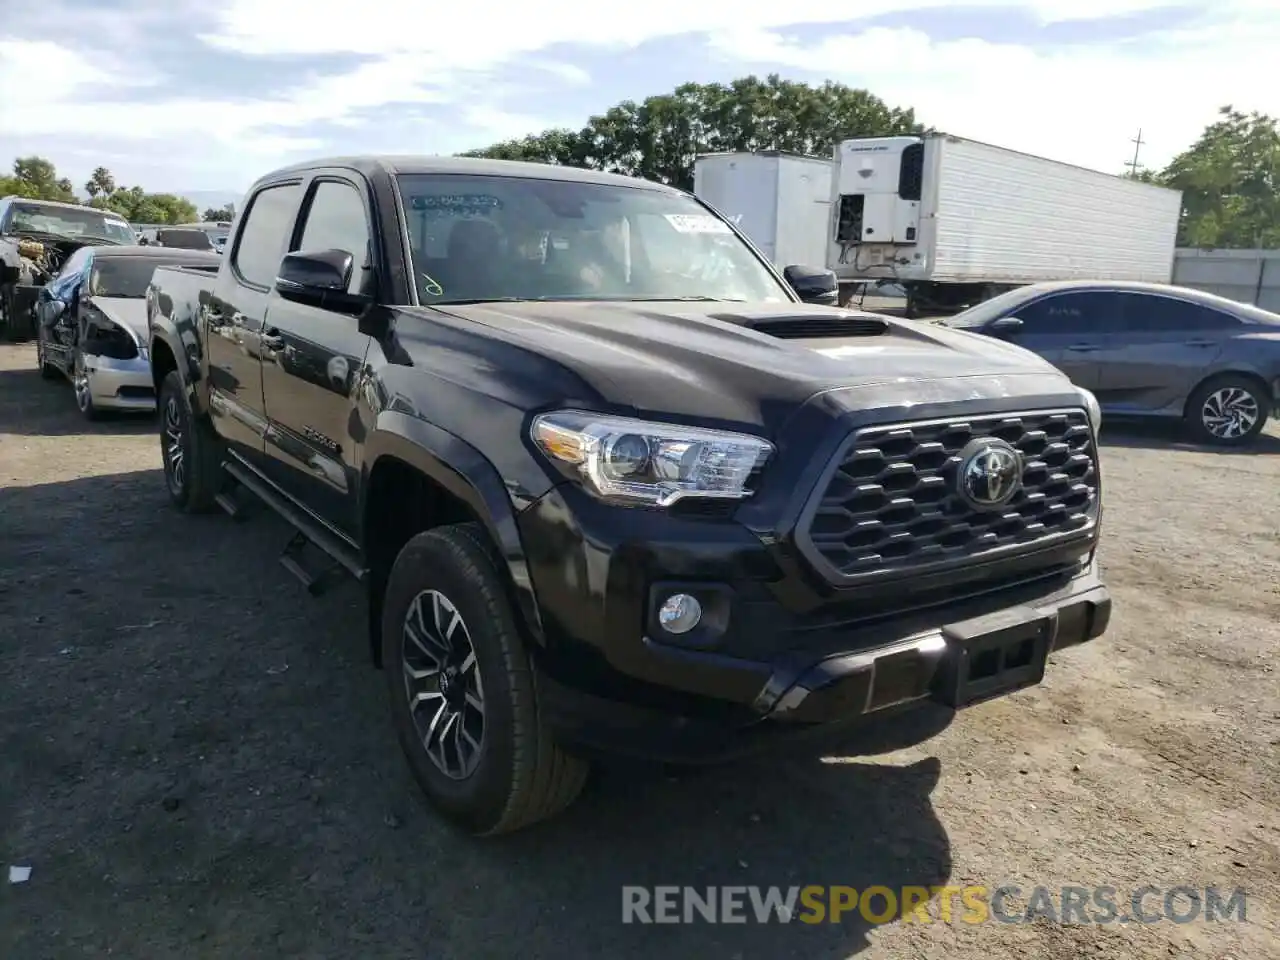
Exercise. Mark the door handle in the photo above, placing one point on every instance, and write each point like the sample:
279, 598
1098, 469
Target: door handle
1199, 343
1082, 347
271, 341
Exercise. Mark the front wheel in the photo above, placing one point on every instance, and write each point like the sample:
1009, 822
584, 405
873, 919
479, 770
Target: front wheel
80, 381
464, 695
1228, 411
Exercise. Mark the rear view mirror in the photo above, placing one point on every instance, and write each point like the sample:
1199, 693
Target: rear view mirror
319, 278
813, 284
1006, 325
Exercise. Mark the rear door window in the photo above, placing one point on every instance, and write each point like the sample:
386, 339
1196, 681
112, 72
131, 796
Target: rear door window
268, 224
1153, 313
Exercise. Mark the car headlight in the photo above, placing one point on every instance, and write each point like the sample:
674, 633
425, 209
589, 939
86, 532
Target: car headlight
1092, 408
618, 458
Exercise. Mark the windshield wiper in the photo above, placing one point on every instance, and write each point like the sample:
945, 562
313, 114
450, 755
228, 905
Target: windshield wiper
473, 300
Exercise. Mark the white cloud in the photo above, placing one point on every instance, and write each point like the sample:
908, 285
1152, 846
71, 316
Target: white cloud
1080, 104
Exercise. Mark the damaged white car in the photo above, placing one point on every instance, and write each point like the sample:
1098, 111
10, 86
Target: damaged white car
92, 324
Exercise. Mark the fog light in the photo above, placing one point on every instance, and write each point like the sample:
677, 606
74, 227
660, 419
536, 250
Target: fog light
679, 613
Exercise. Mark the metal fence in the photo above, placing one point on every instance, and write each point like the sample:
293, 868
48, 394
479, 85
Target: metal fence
1250, 276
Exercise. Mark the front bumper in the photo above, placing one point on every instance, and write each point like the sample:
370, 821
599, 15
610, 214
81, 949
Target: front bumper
120, 384
786, 661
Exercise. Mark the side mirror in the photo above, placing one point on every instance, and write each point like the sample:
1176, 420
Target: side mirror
1005, 325
813, 285
319, 278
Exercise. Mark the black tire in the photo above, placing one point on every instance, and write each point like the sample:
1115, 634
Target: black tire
520, 774
47, 370
195, 478
1245, 403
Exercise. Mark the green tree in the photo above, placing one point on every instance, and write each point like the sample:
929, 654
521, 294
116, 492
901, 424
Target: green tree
138, 206
100, 182
1230, 183
37, 178
221, 213
659, 138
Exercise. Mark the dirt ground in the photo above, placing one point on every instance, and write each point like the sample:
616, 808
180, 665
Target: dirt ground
196, 760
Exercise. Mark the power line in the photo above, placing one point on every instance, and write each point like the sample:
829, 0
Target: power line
1137, 142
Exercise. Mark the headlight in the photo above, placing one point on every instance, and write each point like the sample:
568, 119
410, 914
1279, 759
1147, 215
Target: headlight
1094, 410
655, 463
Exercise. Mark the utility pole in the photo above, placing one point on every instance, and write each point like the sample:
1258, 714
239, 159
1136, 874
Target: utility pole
1137, 146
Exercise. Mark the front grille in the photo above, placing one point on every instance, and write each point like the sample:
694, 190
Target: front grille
892, 504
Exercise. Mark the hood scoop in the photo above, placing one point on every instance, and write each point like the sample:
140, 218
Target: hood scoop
808, 327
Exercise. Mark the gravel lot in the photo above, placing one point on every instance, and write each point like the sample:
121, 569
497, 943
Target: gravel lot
196, 761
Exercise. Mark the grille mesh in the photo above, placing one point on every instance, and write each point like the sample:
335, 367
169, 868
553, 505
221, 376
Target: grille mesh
892, 505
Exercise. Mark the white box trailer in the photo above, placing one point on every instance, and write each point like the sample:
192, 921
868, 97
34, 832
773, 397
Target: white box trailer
781, 201
955, 221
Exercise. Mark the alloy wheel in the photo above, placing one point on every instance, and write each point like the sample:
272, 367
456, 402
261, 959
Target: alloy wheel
1230, 412
80, 381
442, 683
174, 446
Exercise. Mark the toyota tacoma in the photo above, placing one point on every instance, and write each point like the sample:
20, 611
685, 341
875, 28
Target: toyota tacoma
611, 481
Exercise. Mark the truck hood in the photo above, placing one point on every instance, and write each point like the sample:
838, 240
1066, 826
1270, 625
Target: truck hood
705, 360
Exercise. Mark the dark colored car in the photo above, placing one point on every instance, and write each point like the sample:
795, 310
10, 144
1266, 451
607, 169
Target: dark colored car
36, 237
93, 324
608, 482
1147, 350
179, 238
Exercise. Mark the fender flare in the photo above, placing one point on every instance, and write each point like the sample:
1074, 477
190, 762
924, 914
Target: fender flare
162, 329
467, 474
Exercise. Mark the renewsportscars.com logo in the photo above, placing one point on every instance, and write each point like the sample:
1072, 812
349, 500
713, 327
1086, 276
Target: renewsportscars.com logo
947, 904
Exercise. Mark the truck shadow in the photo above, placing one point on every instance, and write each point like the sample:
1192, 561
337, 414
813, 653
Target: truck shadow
197, 760
35, 407
1173, 436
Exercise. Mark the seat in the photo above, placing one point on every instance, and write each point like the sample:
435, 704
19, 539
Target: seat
474, 253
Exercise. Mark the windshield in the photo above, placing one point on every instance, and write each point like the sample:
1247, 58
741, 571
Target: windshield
68, 222
123, 276
507, 238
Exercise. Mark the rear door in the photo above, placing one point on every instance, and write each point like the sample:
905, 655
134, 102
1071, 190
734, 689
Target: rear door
235, 314
1067, 329
311, 362
1167, 346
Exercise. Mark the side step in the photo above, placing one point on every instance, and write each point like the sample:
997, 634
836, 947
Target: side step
342, 559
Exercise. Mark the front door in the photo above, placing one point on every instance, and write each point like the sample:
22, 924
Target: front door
311, 363
234, 314
1066, 329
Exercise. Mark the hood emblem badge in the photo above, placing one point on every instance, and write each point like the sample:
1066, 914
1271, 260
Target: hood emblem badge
990, 473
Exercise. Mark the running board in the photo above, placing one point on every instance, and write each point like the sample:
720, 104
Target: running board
308, 532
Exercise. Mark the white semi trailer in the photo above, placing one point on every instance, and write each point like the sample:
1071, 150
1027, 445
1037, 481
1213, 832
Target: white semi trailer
781, 201
955, 221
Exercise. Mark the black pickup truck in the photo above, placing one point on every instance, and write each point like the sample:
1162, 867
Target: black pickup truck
612, 482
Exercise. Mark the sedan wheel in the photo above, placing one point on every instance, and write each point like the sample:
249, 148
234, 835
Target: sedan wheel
442, 683
80, 381
1230, 413
1230, 410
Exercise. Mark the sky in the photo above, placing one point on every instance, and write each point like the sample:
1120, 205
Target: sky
192, 96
